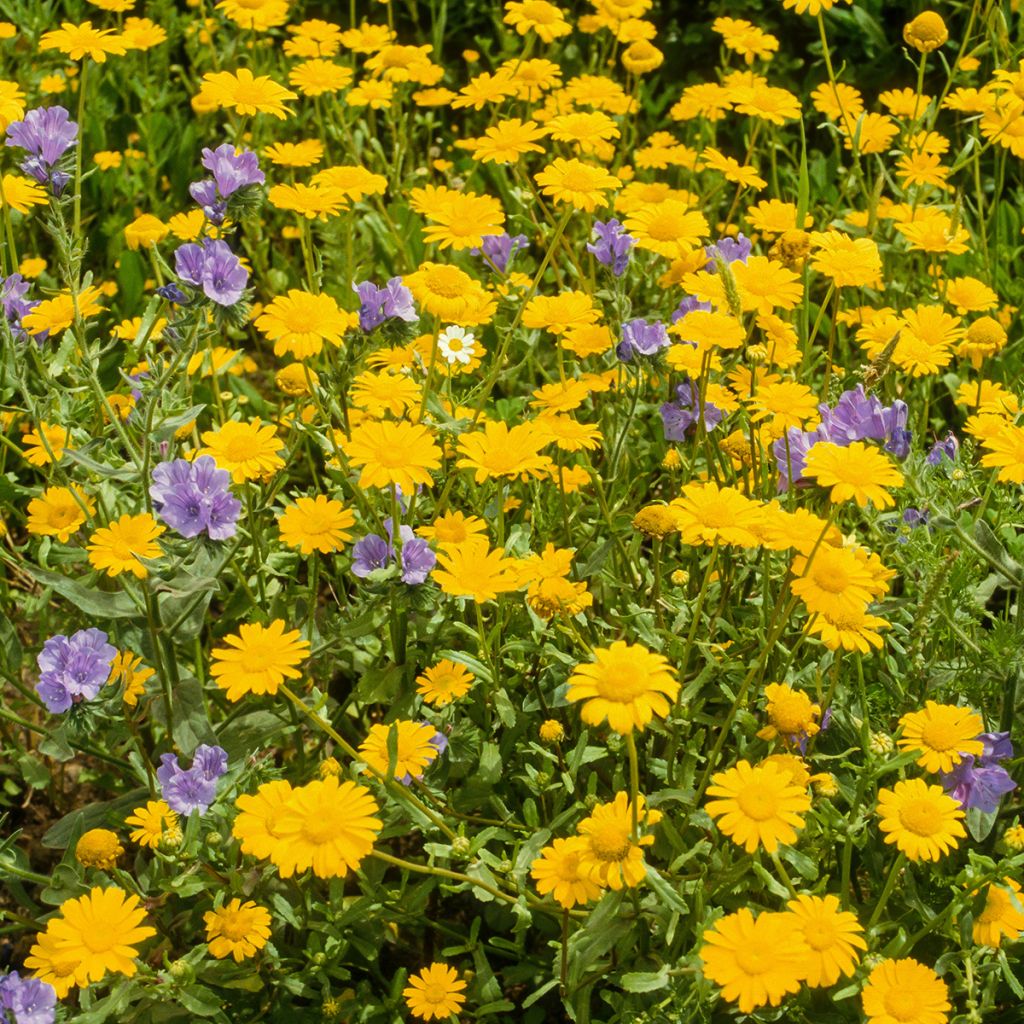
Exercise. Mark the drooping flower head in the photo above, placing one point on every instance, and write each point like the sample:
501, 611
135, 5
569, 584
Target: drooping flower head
194, 497
613, 246
392, 302
193, 789
73, 669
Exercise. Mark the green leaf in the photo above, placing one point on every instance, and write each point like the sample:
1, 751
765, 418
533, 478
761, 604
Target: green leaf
980, 823
58, 836
645, 981
96, 603
200, 1000
489, 770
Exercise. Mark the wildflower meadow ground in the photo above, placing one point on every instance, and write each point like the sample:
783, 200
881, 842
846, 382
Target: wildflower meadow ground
511, 511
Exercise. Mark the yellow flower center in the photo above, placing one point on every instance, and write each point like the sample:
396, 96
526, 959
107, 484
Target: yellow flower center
789, 715
568, 868
757, 801
996, 905
318, 830
435, 993
578, 179
258, 655
64, 515
903, 1004
753, 960
446, 282
819, 935
610, 841
922, 817
940, 736
832, 578
234, 926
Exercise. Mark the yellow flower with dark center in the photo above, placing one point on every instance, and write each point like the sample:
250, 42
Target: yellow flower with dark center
245, 93
857, 471
755, 961
502, 452
435, 993
833, 937
299, 323
414, 749
1002, 917
614, 858
95, 935
326, 825
791, 714
559, 871
708, 514
472, 570
582, 186
258, 659
118, 547
152, 823
944, 734
390, 453
758, 805
237, 929
98, 848
316, 524
626, 684
59, 512
80, 41
248, 451
444, 682
46, 443
923, 821
905, 992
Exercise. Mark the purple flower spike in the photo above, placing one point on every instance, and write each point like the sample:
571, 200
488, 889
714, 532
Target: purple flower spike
26, 1000
640, 338
613, 246
232, 169
73, 669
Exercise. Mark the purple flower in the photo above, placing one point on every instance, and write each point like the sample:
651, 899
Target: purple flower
26, 1000
792, 464
438, 740
393, 301
193, 497
46, 133
981, 782
172, 293
728, 250
73, 669
370, 553
499, 249
861, 417
613, 245
689, 304
640, 338
417, 559
214, 268
677, 417
205, 194
948, 447
12, 296
196, 788
916, 516
374, 552
232, 169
